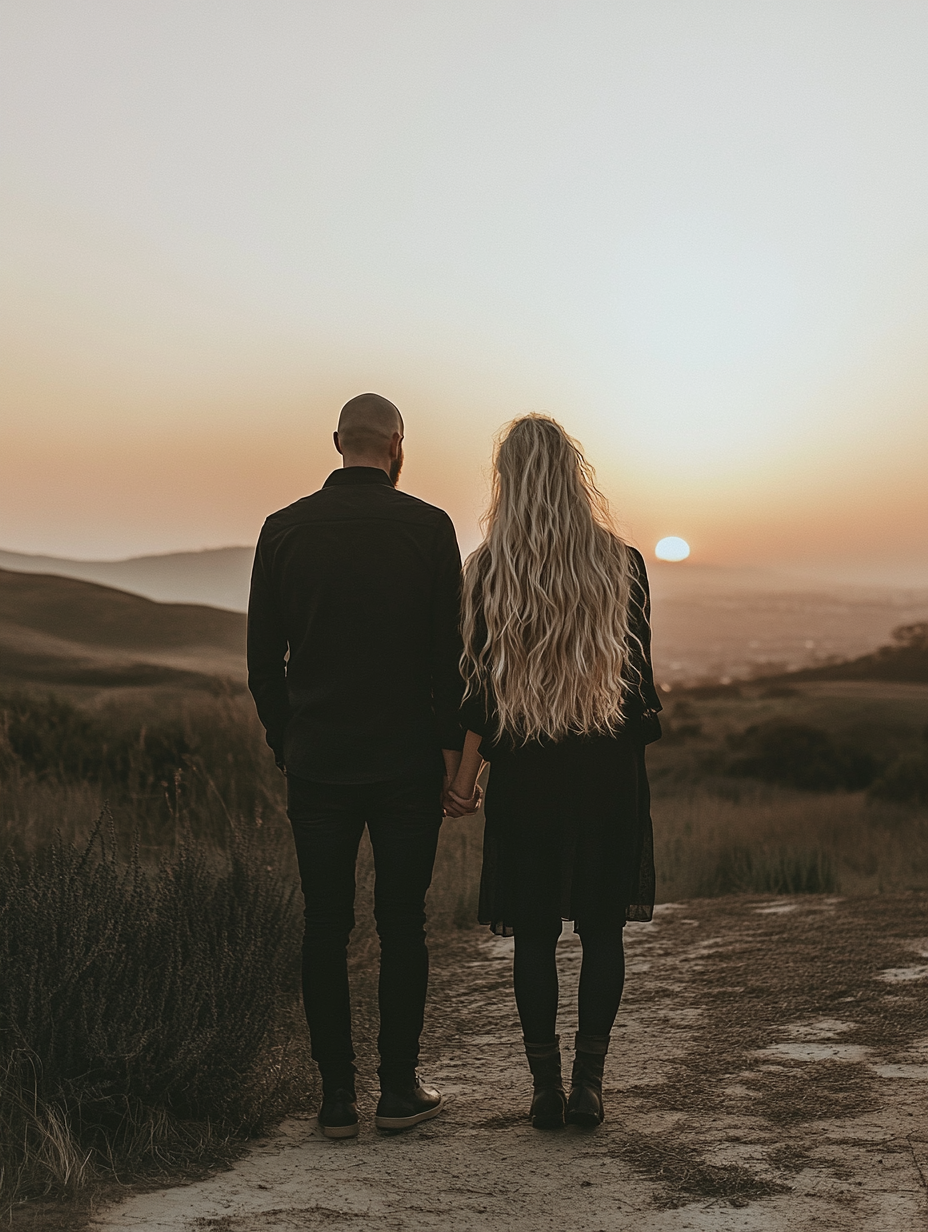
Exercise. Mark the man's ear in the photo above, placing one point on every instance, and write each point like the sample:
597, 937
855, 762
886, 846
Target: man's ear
396, 444
335, 439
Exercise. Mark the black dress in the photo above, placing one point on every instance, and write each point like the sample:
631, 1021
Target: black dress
568, 822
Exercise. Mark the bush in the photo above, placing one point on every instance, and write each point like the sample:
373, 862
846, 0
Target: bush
54, 740
135, 1005
905, 780
682, 723
798, 755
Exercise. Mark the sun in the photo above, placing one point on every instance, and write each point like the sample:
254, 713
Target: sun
672, 548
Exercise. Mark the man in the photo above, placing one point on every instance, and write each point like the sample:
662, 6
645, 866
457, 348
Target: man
353, 650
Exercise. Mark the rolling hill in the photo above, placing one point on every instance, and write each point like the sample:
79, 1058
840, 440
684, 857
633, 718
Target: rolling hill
216, 576
65, 631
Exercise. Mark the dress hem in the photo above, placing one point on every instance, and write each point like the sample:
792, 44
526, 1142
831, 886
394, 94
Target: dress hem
635, 913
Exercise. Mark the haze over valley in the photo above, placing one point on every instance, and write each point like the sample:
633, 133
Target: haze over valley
710, 623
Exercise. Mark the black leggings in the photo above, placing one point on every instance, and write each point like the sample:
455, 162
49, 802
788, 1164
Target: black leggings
602, 977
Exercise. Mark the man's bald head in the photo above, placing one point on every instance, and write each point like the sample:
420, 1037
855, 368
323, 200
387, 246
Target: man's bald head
367, 423
370, 433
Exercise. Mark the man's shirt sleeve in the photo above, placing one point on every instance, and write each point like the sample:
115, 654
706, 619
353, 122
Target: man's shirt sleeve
267, 654
447, 685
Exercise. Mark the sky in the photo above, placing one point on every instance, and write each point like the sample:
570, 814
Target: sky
694, 231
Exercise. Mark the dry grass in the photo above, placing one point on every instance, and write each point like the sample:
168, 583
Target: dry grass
711, 838
767, 840
162, 761
137, 1010
70, 1119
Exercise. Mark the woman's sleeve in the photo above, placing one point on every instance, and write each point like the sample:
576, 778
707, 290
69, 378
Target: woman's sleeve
473, 714
640, 626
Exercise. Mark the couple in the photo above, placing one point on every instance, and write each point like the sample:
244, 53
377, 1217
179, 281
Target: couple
384, 686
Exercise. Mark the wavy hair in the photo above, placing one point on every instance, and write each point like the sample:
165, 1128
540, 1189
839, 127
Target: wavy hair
546, 595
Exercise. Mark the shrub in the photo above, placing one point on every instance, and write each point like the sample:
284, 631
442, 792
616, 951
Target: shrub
682, 723
135, 1004
905, 780
798, 755
52, 739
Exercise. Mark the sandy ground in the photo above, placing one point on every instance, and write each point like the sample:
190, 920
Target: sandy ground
769, 1071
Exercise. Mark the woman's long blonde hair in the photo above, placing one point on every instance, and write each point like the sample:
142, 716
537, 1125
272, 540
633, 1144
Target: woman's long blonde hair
546, 595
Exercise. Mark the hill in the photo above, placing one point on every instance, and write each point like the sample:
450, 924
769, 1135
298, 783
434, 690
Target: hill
903, 664
56, 630
217, 576
906, 660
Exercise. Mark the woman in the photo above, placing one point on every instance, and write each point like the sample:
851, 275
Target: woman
560, 700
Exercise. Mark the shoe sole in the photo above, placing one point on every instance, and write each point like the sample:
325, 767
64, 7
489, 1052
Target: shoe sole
340, 1131
383, 1122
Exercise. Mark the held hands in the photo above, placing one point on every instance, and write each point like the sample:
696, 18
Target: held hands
460, 794
456, 804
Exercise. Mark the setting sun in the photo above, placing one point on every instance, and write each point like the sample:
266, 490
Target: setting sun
672, 548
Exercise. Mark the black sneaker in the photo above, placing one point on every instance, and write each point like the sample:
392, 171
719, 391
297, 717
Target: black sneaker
338, 1116
408, 1105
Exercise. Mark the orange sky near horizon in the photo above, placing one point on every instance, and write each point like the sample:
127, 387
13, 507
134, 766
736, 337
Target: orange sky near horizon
697, 234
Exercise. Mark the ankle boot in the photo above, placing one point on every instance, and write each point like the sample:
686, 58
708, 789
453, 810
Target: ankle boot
585, 1102
548, 1100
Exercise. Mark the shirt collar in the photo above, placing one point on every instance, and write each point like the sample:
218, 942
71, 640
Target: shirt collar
358, 474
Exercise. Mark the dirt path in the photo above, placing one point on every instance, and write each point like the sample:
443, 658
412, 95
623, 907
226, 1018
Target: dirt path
769, 1071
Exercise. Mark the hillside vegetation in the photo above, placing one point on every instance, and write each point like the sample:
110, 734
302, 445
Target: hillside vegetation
858, 725
905, 659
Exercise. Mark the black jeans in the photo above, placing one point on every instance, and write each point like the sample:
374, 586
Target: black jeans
403, 817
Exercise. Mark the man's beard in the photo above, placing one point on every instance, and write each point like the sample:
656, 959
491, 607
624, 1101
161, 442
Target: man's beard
396, 465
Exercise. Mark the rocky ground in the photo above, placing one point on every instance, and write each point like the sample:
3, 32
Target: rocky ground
769, 1071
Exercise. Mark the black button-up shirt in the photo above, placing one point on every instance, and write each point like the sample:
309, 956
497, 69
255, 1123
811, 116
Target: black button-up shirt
353, 632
